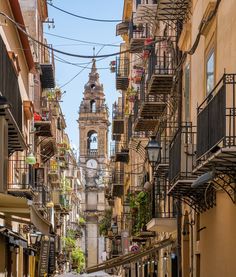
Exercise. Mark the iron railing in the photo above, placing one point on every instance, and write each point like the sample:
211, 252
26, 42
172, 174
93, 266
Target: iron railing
161, 204
21, 175
122, 67
117, 111
9, 85
138, 31
92, 152
216, 117
160, 66
181, 156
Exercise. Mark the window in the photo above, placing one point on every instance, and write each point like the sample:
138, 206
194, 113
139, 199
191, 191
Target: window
187, 92
210, 72
92, 140
93, 106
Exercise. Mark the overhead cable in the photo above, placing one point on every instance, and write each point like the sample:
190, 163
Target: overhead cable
83, 17
83, 41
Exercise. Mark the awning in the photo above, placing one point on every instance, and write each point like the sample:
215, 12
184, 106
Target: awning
128, 258
13, 237
24, 208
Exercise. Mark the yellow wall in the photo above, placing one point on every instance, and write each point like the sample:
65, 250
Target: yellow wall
218, 239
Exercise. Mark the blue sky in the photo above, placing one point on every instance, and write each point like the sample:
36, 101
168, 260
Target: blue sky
68, 26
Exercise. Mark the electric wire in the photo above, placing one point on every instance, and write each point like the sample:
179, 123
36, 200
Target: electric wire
68, 53
84, 17
83, 41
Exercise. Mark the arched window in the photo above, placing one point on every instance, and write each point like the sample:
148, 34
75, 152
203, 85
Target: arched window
93, 106
92, 140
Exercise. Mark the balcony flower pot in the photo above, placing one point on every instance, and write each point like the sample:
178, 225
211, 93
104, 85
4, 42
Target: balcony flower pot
113, 66
131, 94
137, 79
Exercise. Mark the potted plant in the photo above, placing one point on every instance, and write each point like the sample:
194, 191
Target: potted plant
82, 222
78, 259
131, 94
113, 66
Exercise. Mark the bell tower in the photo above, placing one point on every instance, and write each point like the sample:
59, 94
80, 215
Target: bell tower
93, 143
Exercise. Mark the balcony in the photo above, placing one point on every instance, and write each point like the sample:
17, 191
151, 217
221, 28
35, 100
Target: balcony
163, 215
216, 128
148, 110
47, 68
120, 152
181, 176
9, 88
57, 200
117, 184
137, 36
86, 112
43, 125
92, 152
54, 173
162, 167
122, 73
161, 68
21, 181
176, 10
146, 13
122, 28
41, 199
48, 148
117, 122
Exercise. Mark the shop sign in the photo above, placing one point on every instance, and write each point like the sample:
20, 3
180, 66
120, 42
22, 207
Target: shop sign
51, 265
43, 258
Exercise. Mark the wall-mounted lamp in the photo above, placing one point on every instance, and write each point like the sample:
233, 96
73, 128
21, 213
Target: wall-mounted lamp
153, 149
30, 159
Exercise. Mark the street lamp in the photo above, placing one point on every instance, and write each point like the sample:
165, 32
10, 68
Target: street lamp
33, 239
114, 229
30, 159
153, 149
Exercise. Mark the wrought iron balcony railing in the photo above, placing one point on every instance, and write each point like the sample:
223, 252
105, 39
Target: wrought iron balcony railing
117, 122
137, 35
181, 157
9, 88
122, 73
21, 179
161, 66
216, 122
47, 67
175, 10
92, 152
148, 109
119, 152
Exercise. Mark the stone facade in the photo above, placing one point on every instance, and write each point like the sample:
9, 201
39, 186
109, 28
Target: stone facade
93, 127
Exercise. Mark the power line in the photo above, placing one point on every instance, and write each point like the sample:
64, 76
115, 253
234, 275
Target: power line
57, 50
83, 17
83, 41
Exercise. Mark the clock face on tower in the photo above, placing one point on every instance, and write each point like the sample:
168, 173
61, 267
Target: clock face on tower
91, 167
92, 164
